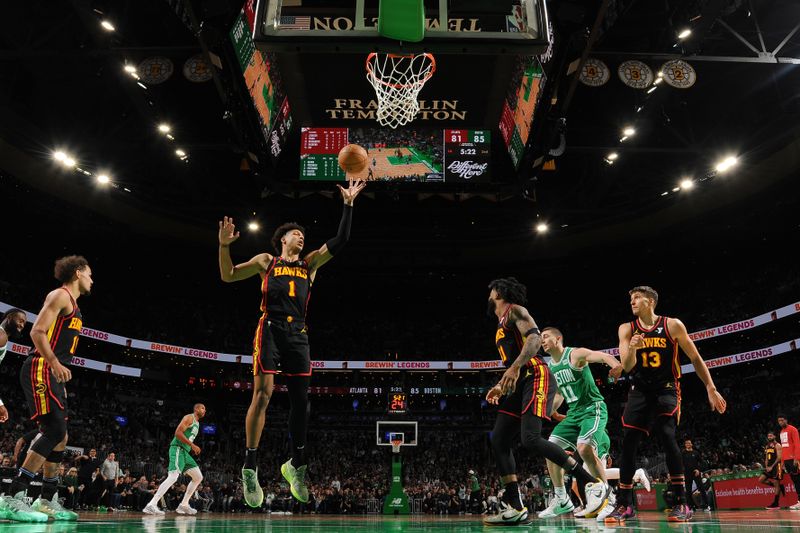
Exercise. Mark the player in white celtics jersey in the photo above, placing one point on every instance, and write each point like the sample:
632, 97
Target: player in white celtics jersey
181, 462
584, 428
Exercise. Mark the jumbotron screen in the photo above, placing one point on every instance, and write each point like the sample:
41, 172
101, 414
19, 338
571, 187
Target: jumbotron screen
419, 155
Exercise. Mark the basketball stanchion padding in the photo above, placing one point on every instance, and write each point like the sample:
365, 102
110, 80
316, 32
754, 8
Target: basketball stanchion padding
402, 20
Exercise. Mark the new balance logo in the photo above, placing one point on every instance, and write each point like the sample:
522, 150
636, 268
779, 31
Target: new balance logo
396, 501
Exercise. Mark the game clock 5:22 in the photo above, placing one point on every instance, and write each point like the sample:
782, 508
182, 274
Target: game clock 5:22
467, 155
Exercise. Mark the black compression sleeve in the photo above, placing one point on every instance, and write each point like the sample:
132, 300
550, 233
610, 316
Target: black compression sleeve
336, 244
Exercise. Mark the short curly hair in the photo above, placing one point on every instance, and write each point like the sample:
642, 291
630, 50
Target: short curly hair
67, 266
510, 290
281, 231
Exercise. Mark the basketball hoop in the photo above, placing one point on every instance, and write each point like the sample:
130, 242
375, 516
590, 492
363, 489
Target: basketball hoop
397, 80
396, 445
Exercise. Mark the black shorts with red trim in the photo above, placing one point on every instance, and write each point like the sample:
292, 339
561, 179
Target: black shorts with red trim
536, 389
44, 394
775, 473
282, 347
644, 406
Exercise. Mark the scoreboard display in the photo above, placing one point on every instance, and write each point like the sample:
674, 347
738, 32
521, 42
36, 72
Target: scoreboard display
467, 155
398, 403
319, 153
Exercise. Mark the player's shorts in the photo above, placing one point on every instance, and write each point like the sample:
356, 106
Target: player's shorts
586, 427
281, 346
775, 473
180, 460
44, 394
644, 406
536, 389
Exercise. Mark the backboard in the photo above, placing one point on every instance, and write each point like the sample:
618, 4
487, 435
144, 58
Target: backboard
386, 430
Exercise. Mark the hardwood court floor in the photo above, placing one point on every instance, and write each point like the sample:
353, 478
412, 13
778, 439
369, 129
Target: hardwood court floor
123, 522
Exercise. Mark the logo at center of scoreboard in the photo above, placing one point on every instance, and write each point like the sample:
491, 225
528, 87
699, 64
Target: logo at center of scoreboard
467, 169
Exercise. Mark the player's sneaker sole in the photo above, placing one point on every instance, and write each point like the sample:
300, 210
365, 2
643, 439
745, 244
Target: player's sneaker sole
253, 494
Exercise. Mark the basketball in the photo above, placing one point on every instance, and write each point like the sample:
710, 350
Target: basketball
353, 159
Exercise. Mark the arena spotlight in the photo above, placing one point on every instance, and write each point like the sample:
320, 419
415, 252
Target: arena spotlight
170, 137
541, 227
726, 164
107, 26
253, 226
612, 156
676, 189
164, 128
68, 161
686, 184
103, 179
180, 153
629, 131
651, 89
59, 156
686, 32
658, 80
130, 69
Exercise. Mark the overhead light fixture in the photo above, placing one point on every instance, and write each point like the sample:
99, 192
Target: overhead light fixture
684, 33
660, 74
686, 184
59, 156
541, 227
180, 153
170, 137
658, 80
664, 193
726, 164
253, 226
676, 189
164, 128
103, 179
142, 85
107, 26
130, 69
68, 161
623, 138
651, 89
612, 156
638, 109
629, 131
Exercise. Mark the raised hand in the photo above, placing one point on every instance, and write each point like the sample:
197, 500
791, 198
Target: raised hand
227, 231
353, 188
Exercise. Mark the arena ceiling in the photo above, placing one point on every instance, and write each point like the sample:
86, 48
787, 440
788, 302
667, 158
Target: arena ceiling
63, 87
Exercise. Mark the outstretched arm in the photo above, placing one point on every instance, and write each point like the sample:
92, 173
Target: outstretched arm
593, 356
227, 271
317, 258
678, 332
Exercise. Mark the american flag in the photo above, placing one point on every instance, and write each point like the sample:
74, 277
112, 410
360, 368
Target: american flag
296, 23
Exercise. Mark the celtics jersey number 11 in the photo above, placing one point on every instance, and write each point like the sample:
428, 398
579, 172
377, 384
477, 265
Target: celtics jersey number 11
575, 384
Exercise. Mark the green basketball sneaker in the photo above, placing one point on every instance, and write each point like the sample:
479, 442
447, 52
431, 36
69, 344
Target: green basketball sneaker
253, 495
15, 508
54, 509
297, 480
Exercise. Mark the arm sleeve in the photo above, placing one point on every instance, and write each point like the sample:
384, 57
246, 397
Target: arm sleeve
795, 443
336, 244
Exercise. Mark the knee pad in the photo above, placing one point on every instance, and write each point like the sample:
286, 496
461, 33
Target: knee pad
52, 430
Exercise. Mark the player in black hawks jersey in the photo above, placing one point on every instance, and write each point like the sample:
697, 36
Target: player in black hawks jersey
280, 344
43, 376
648, 347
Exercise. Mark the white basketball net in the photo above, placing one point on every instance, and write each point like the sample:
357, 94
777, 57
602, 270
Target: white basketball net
397, 80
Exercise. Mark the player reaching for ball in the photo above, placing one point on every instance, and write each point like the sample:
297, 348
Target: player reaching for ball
281, 338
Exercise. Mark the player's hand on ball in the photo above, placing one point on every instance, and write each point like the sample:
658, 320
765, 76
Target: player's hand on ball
494, 394
615, 373
509, 380
227, 231
195, 449
353, 188
717, 402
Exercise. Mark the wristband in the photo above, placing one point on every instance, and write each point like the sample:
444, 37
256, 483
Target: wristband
532, 331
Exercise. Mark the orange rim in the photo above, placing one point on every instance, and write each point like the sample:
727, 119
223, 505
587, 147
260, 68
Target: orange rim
401, 85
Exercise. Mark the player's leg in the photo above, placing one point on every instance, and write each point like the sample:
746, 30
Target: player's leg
296, 365
564, 435
47, 502
504, 434
196, 477
635, 421
263, 385
665, 429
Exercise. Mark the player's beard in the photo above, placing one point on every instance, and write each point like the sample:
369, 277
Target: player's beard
490, 309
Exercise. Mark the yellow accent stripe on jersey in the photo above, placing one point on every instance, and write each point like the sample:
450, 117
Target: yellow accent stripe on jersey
51, 329
41, 391
257, 344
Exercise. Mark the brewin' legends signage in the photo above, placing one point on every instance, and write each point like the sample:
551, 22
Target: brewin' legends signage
467, 155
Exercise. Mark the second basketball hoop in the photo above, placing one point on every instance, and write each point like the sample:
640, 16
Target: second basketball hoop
397, 80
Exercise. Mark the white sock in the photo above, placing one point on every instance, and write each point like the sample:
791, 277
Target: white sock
190, 491
172, 477
561, 494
